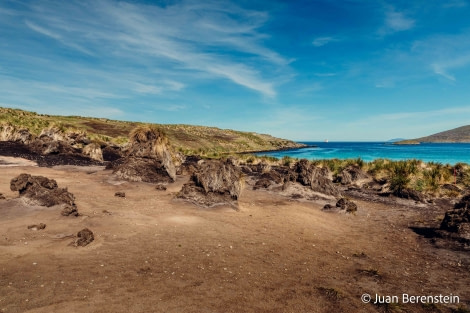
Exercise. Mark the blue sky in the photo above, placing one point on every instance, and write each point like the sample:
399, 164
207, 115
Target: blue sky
303, 70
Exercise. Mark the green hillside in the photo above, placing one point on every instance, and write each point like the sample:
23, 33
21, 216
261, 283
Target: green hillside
459, 134
185, 138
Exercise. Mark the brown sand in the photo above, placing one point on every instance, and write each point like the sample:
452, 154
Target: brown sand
155, 254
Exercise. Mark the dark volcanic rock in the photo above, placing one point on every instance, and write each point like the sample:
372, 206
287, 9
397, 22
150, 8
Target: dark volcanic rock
328, 207
20, 150
315, 177
262, 183
141, 169
214, 182
111, 153
41, 190
120, 194
148, 158
407, 193
348, 205
350, 175
457, 220
85, 237
69, 210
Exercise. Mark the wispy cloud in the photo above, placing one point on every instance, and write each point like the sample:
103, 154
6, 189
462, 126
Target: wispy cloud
56, 36
182, 36
444, 53
442, 68
321, 41
396, 22
455, 4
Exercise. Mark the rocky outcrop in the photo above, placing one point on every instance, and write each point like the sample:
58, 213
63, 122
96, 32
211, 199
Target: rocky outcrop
407, 193
457, 220
351, 175
141, 169
93, 150
214, 182
148, 157
315, 177
12, 133
111, 153
40, 190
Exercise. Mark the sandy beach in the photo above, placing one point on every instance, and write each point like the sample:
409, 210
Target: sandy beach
153, 253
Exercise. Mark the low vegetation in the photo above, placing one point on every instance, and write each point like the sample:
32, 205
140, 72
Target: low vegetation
187, 139
431, 178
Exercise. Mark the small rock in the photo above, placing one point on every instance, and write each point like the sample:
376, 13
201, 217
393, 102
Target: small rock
37, 227
161, 187
327, 207
120, 194
85, 237
348, 205
2, 197
69, 210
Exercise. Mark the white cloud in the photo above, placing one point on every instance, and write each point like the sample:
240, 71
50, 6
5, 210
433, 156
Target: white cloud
321, 41
216, 38
396, 22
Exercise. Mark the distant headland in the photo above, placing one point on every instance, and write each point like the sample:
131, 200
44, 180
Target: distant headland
456, 135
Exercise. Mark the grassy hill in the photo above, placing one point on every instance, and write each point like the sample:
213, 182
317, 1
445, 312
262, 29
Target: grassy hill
188, 139
459, 134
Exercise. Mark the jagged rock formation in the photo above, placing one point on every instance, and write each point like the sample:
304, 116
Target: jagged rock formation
457, 220
12, 133
214, 182
40, 190
93, 150
315, 177
351, 175
51, 147
148, 157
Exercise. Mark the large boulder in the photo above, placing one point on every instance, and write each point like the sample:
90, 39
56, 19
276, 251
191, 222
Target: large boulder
142, 169
148, 150
315, 177
214, 182
457, 220
41, 190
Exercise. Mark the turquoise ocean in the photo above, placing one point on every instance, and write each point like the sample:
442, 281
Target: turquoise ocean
446, 153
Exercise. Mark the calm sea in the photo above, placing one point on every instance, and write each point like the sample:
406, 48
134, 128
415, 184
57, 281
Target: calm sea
450, 153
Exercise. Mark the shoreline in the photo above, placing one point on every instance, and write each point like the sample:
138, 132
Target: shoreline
278, 150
